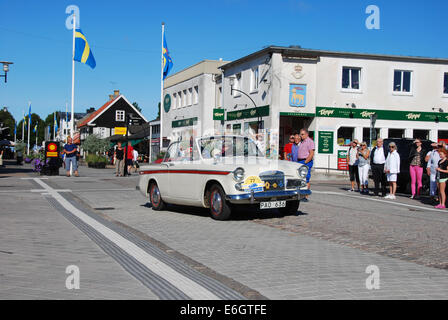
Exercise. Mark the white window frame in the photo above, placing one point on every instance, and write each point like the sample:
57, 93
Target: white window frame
351, 90
189, 97
120, 115
237, 84
179, 99
184, 98
196, 95
254, 79
444, 95
411, 84
219, 96
174, 100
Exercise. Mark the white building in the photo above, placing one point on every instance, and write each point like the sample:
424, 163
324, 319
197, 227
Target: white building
189, 100
333, 94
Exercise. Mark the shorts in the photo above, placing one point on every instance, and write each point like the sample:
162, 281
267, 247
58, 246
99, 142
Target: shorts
309, 165
129, 162
442, 180
392, 177
353, 172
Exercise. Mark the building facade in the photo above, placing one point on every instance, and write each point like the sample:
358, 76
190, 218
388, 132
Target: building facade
279, 90
190, 96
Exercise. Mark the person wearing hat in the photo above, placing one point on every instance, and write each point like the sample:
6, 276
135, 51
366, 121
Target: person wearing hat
432, 158
392, 169
416, 163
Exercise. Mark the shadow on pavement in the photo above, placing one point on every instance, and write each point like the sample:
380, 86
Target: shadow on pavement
10, 168
241, 213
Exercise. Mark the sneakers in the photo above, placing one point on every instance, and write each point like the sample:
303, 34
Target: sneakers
440, 206
390, 196
412, 197
351, 190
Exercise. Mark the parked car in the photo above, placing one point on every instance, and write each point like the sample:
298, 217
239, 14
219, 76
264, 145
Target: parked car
221, 172
404, 146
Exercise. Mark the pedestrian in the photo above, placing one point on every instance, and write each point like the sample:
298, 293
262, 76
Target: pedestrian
378, 159
129, 157
71, 151
119, 160
442, 177
392, 169
352, 161
295, 147
135, 160
416, 162
432, 158
287, 153
305, 155
1, 157
363, 167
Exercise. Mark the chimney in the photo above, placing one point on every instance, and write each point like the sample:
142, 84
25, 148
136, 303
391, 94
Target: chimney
116, 93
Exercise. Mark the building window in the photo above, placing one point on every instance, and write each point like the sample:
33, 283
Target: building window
351, 78
179, 97
189, 97
396, 133
402, 81
420, 134
174, 100
119, 115
345, 135
366, 136
184, 98
219, 97
442, 135
237, 85
254, 79
196, 95
445, 83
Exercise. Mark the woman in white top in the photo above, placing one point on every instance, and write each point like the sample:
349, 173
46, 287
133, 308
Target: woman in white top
363, 156
392, 169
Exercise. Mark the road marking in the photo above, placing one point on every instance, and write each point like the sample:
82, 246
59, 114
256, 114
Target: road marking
186, 285
378, 200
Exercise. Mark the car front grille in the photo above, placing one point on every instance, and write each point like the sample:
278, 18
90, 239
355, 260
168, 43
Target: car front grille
274, 180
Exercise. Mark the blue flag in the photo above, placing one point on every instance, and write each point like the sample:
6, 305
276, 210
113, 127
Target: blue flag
55, 126
15, 128
83, 53
167, 62
35, 128
29, 115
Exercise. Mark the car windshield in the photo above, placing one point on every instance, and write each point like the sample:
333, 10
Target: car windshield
228, 146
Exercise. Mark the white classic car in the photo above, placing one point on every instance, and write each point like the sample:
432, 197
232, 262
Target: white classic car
220, 172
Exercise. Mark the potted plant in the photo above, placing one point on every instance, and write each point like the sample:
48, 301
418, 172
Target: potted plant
94, 145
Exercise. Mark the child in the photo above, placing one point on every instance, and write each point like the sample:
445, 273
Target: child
442, 177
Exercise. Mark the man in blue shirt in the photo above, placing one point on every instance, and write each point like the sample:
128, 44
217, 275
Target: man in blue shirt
295, 147
70, 150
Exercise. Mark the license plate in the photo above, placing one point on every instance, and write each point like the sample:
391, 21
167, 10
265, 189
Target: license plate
272, 204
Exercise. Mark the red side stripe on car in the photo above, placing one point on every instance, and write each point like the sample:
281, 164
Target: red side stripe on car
222, 173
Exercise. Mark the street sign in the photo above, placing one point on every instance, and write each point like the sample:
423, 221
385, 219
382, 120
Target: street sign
120, 130
342, 160
218, 114
51, 149
326, 141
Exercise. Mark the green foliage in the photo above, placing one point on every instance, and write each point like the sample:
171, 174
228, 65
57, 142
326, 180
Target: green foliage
93, 144
135, 104
93, 158
20, 146
7, 121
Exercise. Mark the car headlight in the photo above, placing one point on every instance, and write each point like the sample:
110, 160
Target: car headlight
302, 171
238, 174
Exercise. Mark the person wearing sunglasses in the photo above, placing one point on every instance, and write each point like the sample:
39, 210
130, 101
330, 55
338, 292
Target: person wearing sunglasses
392, 169
287, 150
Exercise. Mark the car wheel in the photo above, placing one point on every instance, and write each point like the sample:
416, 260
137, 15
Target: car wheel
156, 198
291, 208
220, 209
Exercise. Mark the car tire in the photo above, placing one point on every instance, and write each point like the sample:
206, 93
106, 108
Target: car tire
220, 209
291, 208
155, 197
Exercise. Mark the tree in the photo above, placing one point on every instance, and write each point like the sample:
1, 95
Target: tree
7, 121
40, 130
158, 113
135, 104
94, 144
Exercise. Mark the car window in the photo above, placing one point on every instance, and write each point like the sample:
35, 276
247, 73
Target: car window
171, 152
228, 146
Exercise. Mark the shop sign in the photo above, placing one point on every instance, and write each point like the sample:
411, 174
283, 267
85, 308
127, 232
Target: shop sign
218, 114
167, 103
381, 114
326, 141
297, 95
342, 160
120, 130
248, 113
184, 122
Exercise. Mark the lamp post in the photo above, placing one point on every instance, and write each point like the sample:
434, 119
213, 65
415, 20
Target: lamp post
232, 82
5, 69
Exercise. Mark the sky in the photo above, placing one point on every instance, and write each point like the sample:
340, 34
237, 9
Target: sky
125, 38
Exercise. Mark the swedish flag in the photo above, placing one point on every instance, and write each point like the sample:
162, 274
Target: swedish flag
83, 53
167, 62
35, 128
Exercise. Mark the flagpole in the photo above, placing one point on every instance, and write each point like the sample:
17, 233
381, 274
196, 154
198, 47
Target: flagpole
29, 125
161, 92
66, 122
36, 134
54, 127
23, 127
72, 127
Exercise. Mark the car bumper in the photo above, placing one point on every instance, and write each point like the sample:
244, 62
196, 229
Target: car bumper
268, 195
